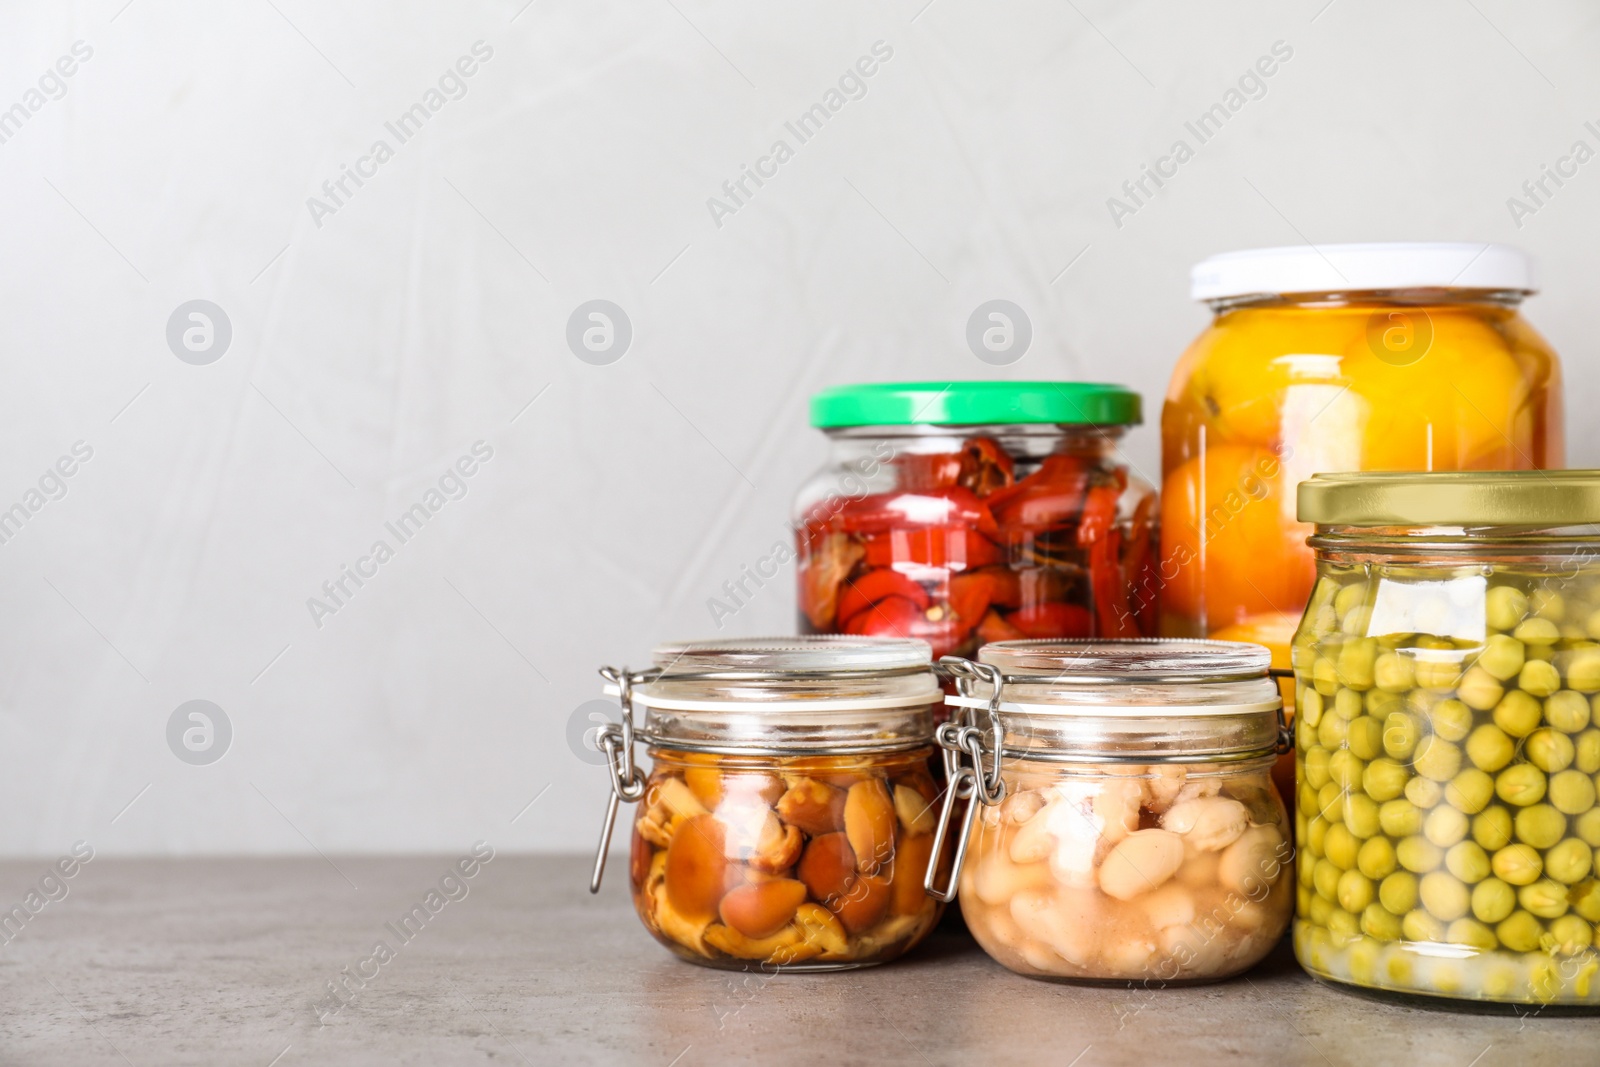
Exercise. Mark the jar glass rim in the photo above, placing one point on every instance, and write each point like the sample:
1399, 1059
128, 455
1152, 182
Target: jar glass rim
1143, 660
802, 656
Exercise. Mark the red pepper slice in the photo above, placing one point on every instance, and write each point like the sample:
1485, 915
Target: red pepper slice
1099, 512
1108, 589
1050, 495
882, 512
824, 565
893, 616
952, 547
985, 466
860, 594
969, 600
994, 627
1054, 619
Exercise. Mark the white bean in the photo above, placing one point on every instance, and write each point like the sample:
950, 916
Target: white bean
1207, 823
1141, 862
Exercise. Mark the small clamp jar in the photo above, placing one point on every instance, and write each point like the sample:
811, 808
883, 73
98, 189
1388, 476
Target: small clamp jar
787, 821
1124, 825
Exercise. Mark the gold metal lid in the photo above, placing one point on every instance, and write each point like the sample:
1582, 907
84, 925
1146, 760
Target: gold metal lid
1464, 498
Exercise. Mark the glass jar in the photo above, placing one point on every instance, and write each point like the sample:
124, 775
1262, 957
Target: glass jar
1448, 738
1129, 829
967, 512
787, 821
1381, 357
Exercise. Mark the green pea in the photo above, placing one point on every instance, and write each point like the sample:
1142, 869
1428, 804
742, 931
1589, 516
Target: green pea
1479, 689
1451, 719
1400, 733
1587, 827
1492, 828
1547, 899
1399, 818
1384, 779
1572, 792
1520, 784
1331, 732
1319, 909
1587, 749
1444, 826
1444, 897
1419, 855
1539, 678
1540, 825
1308, 705
1501, 657
1504, 607
1518, 864
1569, 862
1585, 900
1547, 604
1424, 792
1572, 935
1341, 846
1380, 923
1376, 858
1329, 799
1437, 759
1355, 662
1591, 626
1343, 926
1467, 861
1469, 791
1470, 932
1549, 750
1350, 597
1583, 671
1347, 704
1393, 673
1518, 714
1380, 703
1304, 735
1418, 925
1521, 932
1567, 710
1365, 737
1398, 892
1492, 900
1355, 891
1361, 815
1325, 676
1345, 768
1325, 879
1314, 765
1439, 674
1306, 798
1537, 632
1490, 748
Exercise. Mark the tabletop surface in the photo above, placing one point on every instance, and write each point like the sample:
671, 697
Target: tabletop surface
228, 961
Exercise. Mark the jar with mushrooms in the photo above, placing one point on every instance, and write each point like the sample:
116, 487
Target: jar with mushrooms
787, 822
1138, 835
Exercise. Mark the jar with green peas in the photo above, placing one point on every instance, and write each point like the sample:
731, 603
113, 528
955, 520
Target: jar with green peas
1447, 672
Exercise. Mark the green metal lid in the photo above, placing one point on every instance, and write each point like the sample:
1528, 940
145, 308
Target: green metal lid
974, 404
1464, 498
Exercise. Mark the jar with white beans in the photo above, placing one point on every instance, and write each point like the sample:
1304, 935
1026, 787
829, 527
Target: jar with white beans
1122, 824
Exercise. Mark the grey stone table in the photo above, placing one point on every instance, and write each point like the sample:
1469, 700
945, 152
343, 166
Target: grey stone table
227, 961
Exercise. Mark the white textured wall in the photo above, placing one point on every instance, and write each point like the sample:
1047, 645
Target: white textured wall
370, 352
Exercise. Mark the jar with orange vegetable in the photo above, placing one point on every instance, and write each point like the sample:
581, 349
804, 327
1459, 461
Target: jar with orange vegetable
1374, 357
787, 820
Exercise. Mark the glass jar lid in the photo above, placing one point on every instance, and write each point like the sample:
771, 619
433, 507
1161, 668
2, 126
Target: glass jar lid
975, 404
1456, 498
1144, 700
1361, 268
817, 695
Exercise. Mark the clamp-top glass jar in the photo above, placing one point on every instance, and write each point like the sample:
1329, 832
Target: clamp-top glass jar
1126, 826
1448, 673
788, 819
967, 512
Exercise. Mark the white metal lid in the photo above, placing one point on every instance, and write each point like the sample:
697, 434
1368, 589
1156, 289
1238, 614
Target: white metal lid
1343, 268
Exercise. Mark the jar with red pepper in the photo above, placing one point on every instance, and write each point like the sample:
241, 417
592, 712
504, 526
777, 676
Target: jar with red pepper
963, 513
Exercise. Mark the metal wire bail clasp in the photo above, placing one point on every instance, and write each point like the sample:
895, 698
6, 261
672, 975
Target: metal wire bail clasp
969, 780
627, 781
